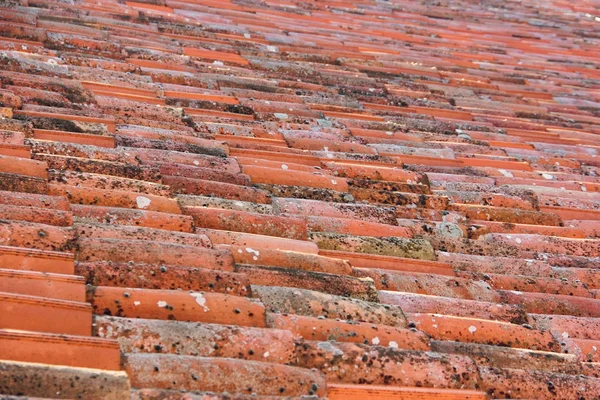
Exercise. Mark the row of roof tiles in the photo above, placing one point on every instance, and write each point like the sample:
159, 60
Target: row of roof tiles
293, 207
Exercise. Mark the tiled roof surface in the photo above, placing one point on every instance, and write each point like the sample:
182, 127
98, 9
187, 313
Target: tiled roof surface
240, 199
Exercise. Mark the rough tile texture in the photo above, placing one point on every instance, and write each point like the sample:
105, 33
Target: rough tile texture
290, 199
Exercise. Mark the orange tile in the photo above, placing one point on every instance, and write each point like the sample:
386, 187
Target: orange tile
248, 222
38, 215
503, 227
147, 6
36, 260
126, 216
177, 305
290, 259
233, 375
71, 137
27, 234
305, 159
322, 329
115, 198
390, 263
451, 114
289, 177
152, 252
359, 117
509, 215
39, 314
484, 162
184, 185
358, 392
47, 348
215, 55
573, 213
15, 150
43, 284
109, 122
431, 304
391, 173
218, 114
201, 97
443, 327
241, 239
23, 166
356, 227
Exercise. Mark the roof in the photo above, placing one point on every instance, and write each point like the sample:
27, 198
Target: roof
274, 199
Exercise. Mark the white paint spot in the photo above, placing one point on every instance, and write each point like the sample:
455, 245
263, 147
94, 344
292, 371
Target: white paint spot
375, 341
200, 300
583, 189
284, 167
506, 173
389, 133
255, 258
393, 345
272, 49
137, 303
281, 116
518, 240
142, 202
162, 303
247, 35
548, 176
334, 181
516, 292
240, 251
196, 162
219, 63
594, 348
472, 329
251, 250
266, 354
565, 335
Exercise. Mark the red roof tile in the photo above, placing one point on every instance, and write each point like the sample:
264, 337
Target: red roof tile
285, 199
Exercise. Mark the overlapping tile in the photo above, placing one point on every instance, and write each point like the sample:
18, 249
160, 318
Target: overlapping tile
282, 199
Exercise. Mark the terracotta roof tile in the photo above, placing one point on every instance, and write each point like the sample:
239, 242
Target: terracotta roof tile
193, 339
341, 391
431, 369
340, 285
72, 381
60, 349
146, 251
41, 314
507, 357
283, 199
200, 372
